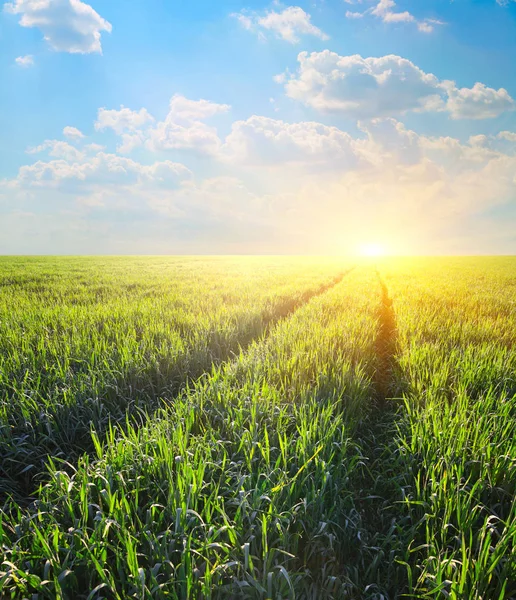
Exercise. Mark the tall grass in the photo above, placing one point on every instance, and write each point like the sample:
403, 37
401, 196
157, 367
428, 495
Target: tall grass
352, 440
89, 341
456, 446
239, 488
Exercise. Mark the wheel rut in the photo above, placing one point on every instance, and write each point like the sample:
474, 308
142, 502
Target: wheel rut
376, 485
21, 489
385, 346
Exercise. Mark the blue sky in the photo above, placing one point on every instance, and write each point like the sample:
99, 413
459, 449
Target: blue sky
213, 127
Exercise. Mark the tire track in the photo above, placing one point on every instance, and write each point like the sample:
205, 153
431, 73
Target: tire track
31, 461
386, 343
376, 485
283, 314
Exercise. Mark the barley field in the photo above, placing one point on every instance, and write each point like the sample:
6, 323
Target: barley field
257, 427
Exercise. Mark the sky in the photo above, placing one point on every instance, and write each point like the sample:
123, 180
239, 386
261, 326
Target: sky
202, 127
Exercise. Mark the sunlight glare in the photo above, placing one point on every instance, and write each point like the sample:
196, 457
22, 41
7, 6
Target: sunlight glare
372, 250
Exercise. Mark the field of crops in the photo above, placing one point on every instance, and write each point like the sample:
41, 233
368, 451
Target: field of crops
255, 427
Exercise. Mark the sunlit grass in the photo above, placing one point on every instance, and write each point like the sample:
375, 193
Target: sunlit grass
259, 459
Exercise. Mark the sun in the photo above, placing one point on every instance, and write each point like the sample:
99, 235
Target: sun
372, 250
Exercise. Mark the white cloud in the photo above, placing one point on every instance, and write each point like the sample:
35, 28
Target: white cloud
385, 10
183, 109
354, 15
383, 144
244, 20
364, 88
123, 120
503, 142
131, 125
381, 182
93, 148
307, 183
261, 140
325, 185
195, 136
479, 141
414, 192
479, 102
72, 133
507, 135
57, 148
318, 186
67, 25
184, 127
288, 25
428, 26
130, 141
100, 171
390, 142
25, 61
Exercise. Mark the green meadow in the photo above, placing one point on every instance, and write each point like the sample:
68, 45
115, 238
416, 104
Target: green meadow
257, 427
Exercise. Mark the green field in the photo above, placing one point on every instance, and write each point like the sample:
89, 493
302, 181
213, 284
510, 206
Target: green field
257, 427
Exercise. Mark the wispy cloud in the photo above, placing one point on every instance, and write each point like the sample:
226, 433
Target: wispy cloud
386, 11
288, 24
25, 61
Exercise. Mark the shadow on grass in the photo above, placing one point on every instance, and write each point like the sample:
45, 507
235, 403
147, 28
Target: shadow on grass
377, 485
64, 431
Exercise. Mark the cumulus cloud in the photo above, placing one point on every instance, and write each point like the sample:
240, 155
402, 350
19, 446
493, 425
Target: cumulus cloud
293, 186
400, 178
123, 120
363, 87
183, 109
386, 11
386, 86
503, 142
130, 141
57, 148
507, 135
184, 127
67, 25
25, 61
479, 102
72, 133
382, 180
321, 179
196, 136
390, 142
130, 125
101, 170
261, 140
288, 24
383, 143
93, 148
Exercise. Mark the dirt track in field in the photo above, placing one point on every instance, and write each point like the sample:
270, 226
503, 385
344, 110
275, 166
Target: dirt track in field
385, 346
